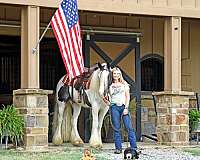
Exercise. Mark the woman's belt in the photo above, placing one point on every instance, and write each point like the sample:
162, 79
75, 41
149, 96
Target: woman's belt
117, 104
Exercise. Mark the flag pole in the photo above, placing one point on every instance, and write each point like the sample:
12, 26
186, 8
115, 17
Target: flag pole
34, 50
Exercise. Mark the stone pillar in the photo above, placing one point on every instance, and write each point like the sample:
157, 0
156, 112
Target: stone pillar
32, 104
172, 119
30, 29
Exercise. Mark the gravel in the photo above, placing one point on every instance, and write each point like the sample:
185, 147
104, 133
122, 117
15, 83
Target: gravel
166, 154
158, 154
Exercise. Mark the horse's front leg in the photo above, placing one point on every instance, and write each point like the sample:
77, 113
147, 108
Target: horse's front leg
57, 138
75, 137
102, 113
94, 139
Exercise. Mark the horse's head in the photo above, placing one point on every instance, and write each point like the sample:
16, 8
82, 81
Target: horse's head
105, 77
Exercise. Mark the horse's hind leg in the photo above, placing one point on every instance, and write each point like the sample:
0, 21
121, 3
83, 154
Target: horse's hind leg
75, 137
57, 138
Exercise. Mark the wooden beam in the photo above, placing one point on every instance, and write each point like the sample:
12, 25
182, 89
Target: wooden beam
119, 6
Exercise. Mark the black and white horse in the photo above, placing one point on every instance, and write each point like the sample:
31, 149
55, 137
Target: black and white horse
65, 123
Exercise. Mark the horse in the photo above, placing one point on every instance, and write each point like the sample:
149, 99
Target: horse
65, 123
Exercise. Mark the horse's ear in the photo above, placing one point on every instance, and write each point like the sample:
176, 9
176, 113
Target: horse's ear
100, 66
108, 65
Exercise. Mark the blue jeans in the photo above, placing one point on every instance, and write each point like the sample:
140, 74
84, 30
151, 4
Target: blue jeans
116, 115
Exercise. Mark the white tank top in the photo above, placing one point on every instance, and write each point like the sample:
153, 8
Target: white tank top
117, 93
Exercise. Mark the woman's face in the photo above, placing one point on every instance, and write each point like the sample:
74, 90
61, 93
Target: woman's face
116, 75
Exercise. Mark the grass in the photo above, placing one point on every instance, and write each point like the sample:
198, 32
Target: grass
193, 151
12, 155
67, 154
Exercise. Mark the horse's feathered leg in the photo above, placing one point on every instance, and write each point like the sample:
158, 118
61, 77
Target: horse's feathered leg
57, 138
94, 139
102, 113
75, 138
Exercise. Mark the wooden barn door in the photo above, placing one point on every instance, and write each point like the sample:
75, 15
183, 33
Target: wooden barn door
122, 51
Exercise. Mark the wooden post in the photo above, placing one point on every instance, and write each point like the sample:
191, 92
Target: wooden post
30, 27
172, 54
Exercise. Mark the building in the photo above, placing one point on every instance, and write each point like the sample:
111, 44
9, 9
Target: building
161, 34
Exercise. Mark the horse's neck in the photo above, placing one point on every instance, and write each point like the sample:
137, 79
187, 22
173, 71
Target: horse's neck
94, 83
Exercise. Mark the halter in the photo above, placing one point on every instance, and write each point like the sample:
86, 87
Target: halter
103, 68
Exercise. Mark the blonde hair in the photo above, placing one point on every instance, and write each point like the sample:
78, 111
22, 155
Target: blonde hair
121, 79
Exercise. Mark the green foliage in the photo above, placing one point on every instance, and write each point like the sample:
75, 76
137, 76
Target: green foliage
193, 151
194, 117
11, 124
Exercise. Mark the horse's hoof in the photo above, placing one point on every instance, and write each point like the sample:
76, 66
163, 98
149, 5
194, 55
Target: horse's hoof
57, 141
97, 146
78, 143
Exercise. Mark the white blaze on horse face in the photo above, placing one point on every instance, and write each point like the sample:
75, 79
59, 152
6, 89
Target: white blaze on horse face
103, 77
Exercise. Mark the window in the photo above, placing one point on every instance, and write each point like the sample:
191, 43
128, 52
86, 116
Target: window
152, 69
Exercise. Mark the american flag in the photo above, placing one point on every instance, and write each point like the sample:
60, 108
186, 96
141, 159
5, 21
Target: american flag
65, 24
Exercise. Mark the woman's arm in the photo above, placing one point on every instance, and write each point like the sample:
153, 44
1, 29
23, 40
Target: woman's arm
127, 96
127, 99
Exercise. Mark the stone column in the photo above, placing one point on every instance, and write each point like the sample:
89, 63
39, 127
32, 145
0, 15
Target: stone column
172, 104
172, 120
32, 104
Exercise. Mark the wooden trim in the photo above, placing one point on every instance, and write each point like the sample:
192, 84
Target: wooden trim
129, 7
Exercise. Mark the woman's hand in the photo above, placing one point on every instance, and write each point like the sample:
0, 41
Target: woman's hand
125, 112
105, 99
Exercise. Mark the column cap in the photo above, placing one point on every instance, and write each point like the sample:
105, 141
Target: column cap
180, 93
32, 91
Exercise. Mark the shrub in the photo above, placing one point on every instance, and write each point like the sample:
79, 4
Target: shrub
11, 124
194, 118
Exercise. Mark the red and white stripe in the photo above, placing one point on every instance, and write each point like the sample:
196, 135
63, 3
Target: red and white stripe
70, 44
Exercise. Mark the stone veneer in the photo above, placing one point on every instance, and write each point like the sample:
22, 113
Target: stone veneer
32, 104
148, 117
172, 119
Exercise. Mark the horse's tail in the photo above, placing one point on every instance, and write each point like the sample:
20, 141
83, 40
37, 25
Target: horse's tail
55, 118
66, 125
61, 127
66, 122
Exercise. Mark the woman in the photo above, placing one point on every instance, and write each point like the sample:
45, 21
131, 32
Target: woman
119, 98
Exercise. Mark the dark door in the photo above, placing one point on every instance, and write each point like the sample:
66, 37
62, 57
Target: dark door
10, 68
